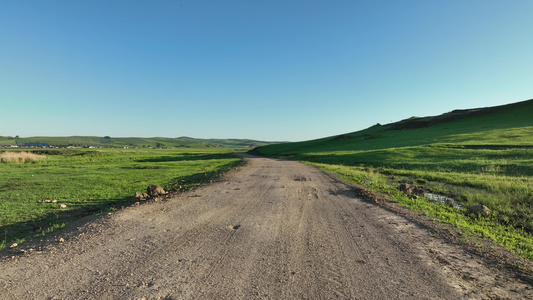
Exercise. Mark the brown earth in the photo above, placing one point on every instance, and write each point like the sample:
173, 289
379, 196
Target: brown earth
271, 230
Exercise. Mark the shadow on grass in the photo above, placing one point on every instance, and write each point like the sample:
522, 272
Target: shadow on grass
501, 163
36, 229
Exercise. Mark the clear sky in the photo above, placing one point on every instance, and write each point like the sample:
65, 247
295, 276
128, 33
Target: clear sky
265, 70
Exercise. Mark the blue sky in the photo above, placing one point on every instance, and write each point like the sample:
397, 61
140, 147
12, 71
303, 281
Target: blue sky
266, 70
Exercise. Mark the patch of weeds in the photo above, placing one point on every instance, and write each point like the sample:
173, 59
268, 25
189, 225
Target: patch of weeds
50, 229
421, 181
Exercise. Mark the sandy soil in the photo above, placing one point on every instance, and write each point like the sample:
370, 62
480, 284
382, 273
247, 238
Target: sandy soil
271, 230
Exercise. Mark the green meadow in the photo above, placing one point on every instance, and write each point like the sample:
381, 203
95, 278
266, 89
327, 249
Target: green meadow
88, 181
481, 156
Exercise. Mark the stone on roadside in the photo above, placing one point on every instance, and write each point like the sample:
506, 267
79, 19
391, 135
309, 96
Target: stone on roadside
13, 245
418, 191
137, 195
406, 187
479, 209
155, 190
62, 206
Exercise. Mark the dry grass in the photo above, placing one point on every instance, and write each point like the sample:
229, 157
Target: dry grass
19, 157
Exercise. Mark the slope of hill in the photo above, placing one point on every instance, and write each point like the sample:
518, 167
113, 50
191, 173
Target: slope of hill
184, 142
507, 125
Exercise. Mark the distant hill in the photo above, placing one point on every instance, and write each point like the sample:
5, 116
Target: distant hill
184, 142
500, 126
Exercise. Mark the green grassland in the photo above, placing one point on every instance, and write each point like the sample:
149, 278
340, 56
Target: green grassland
91, 181
121, 142
479, 156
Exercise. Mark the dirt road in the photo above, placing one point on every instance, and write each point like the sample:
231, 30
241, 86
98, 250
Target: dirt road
271, 230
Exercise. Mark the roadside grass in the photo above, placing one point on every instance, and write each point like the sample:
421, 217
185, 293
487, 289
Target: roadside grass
500, 179
512, 233
91, 182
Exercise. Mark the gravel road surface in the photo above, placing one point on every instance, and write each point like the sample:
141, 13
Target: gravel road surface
273, 229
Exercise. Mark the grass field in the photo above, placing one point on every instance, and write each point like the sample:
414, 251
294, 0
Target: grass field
32, 186
482, 156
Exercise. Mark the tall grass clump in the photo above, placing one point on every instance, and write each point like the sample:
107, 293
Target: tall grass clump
20, 157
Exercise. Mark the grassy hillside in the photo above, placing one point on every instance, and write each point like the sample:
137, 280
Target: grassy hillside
181, 142
508, 125
478, 156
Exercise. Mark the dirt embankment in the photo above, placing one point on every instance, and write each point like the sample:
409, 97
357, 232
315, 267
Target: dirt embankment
271, 230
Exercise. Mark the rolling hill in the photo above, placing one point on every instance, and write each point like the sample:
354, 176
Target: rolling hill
507, 125
181, 142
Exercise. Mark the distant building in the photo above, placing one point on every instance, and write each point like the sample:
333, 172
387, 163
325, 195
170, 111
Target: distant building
35, 144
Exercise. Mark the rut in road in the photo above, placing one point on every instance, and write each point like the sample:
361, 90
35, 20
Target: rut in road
272, 230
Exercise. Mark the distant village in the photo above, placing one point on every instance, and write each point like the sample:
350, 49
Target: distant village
48, 146
10, 142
